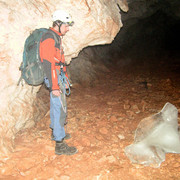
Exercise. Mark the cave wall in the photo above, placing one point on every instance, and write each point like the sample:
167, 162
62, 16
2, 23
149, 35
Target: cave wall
96, 22
144, 32
150, 31
89, 66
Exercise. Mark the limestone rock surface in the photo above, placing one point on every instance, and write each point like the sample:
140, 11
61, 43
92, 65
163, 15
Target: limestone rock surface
96, 22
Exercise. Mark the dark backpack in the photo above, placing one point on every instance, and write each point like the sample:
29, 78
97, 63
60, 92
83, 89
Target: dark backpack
31, 68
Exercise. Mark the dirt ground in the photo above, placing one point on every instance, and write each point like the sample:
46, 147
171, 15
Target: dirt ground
102, 120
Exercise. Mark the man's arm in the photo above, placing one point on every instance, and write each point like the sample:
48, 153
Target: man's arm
48, 52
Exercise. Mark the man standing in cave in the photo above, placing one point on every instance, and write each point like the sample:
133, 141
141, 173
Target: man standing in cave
52, 56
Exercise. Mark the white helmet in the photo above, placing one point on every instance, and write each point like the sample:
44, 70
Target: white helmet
62, 16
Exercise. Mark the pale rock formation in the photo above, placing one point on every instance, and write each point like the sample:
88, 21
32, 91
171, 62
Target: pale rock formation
154, 137
96, 22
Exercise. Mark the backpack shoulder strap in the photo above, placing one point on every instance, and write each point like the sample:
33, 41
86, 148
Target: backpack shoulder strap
55, 37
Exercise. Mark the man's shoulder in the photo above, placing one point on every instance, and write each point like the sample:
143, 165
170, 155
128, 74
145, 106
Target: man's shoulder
49, 34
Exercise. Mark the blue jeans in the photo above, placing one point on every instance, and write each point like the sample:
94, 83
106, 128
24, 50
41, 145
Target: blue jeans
58, 113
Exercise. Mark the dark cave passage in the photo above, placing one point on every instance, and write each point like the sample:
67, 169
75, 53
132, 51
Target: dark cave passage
151, 39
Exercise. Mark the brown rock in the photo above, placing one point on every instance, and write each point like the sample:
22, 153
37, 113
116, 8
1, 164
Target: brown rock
127, 106
176, 165
103, 130
130, 114
120, 136
113, 119
135, 109
85, 142
144, 104
64, 177
111, 159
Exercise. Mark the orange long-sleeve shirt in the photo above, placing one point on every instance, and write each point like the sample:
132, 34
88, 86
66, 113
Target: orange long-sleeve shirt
51, 53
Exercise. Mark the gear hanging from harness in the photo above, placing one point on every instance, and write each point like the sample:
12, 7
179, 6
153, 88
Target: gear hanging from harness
64, 85
65, 82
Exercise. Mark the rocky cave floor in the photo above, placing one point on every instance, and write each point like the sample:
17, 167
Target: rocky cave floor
102, 120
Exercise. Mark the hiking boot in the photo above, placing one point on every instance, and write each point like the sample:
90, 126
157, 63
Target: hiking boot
67, 136
63, 148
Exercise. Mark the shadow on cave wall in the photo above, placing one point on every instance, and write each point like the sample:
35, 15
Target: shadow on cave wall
149, 40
